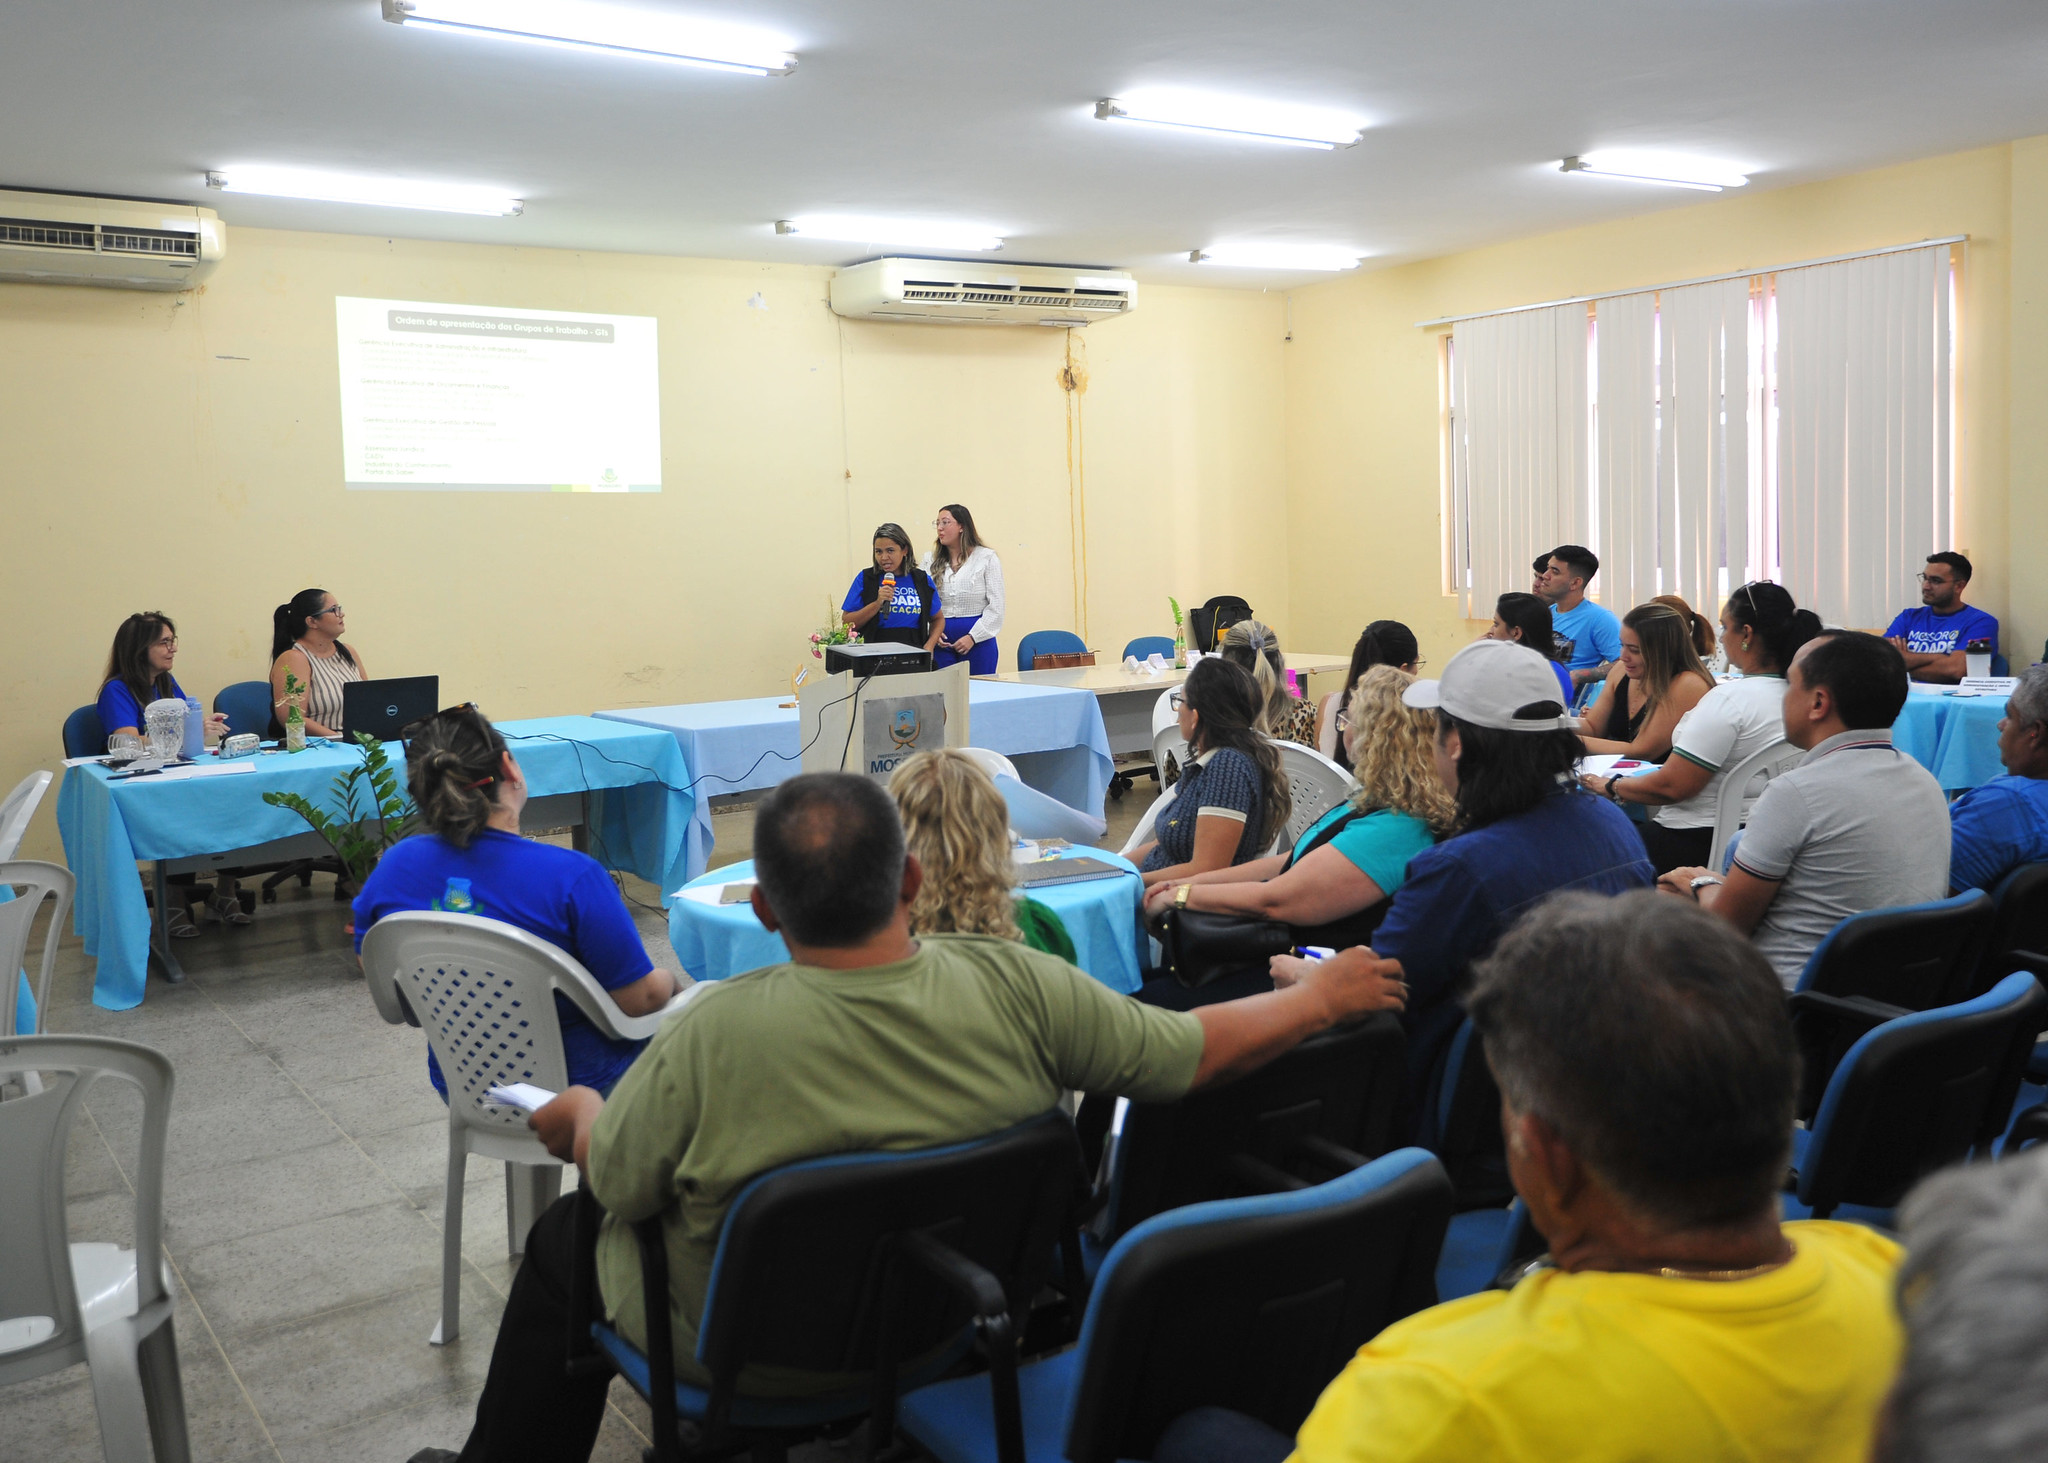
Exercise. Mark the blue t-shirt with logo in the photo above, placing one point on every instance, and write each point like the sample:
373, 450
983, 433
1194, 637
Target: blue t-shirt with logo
1927, 633
1587, 635
556, 894
118, 707
902, 612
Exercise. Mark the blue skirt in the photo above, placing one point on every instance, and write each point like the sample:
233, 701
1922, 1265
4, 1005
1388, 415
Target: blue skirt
981, 661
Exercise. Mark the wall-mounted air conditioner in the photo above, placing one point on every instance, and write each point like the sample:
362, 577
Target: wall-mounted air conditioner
54, 238
938, 290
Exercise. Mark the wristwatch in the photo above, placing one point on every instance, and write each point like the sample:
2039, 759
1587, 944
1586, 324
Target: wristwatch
1180, 896
1700, 883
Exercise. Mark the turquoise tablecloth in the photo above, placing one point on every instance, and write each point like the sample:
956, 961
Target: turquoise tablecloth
639, 822
1101, 915
1054, 735
1954, 737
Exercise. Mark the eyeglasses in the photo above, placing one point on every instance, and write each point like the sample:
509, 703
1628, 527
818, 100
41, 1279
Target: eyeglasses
1934, 579
1175, 700
169, 642
1343, 718
330, 610
942, 523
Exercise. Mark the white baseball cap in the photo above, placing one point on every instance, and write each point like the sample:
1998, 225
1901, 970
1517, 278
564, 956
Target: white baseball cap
1496, 683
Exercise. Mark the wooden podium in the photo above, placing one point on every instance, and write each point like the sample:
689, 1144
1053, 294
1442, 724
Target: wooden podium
870, 724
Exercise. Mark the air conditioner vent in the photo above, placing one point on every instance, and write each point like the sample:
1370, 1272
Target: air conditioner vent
977, 294
149, 241
47, 235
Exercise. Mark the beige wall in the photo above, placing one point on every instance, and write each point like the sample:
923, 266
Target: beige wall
183, 453
1363, 427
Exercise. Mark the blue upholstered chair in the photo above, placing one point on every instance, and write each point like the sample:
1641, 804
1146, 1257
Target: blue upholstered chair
1146, 645
83, 734
1048, 642
247, 704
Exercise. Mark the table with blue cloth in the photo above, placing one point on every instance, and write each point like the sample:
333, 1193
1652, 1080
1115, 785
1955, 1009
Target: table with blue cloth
1101, 915
1954, 737
1054, 735
634, 814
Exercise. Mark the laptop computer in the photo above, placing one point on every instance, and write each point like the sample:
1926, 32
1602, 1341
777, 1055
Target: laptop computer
381, 708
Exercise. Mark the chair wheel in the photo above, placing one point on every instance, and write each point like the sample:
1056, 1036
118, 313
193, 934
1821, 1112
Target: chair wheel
269, 896
247, 899
1117, 787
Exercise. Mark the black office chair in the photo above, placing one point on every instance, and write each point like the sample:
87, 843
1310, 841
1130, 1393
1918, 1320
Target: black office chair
2019, 924
849, 1264
1881, 964
1322, 1109
1461, 1124
1916, 1093
1207, 623
1253, 1304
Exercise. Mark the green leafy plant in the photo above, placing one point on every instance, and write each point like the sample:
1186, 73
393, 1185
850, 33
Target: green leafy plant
358, 833
1175, 604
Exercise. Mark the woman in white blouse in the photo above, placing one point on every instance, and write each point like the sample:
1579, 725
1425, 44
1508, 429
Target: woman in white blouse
969, 577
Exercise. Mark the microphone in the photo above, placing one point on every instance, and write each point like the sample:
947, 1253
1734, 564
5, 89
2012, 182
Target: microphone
888, 586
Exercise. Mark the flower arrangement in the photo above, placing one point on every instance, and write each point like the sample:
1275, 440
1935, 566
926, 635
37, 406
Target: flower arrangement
835, 632
1180, 643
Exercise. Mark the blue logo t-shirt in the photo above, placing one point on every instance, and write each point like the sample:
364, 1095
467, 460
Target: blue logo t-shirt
1927, 633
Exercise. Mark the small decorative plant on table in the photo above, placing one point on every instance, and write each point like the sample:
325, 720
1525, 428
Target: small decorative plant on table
294, 713
1180, 642
836, 632
368, 813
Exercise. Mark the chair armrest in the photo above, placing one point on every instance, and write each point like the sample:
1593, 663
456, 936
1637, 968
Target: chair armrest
1825, 1027
1856, 1011
991, 1305
1322, 1152
594, 1001
1260, 1177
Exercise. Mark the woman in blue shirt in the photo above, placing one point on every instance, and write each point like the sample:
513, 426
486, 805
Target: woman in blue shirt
469, 791
139, 672
1233, 796
902, 616
1335, 882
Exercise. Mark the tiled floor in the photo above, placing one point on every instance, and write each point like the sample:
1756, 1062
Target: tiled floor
303, 1200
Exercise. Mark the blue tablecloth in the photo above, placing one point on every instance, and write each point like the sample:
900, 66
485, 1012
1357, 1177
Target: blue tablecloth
639, 822
1101, 915
1054, 734
1954, 737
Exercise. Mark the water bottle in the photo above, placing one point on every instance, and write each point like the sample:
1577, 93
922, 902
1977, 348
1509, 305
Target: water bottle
456, 898
195, 730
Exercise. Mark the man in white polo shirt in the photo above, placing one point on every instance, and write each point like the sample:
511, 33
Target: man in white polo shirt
1858, 825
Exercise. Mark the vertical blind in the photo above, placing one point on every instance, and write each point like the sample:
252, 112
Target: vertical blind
1792, 424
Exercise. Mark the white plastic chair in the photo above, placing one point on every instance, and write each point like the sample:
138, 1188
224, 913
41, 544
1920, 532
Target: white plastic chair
995, 764
1317, 785
1741, 786
35, 882
1163, 713
483, 991
63, 1303
19, 808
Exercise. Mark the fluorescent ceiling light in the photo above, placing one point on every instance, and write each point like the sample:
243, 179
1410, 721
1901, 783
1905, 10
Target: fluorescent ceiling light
1192, 111
1641, 167
1276, 256
903, 233
352, 188
618, 30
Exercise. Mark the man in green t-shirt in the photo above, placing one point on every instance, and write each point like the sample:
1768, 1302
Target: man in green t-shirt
868, 1039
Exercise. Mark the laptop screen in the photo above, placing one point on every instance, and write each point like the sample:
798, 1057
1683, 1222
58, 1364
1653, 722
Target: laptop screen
382, 708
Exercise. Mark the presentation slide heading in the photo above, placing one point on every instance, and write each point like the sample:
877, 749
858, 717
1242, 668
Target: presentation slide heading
593, 332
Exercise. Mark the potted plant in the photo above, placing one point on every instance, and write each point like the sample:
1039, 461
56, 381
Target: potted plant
294, 715
368, 813
1180, 643
834, 633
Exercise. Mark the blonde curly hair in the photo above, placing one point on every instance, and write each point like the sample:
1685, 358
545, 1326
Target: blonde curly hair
1391, 752
958, 825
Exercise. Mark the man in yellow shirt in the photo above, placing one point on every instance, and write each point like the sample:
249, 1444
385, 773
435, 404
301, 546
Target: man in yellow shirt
1647, 1073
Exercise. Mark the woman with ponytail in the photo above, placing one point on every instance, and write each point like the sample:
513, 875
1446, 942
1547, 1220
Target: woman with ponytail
1286, 717
305, 641
1762, 629
471, 860
1383, 642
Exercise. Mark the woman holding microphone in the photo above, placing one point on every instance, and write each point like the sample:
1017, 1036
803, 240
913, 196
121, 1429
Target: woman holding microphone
892, 602
969, 577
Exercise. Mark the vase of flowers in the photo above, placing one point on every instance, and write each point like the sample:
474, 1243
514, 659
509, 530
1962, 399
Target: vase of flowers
836, 632
1180, 641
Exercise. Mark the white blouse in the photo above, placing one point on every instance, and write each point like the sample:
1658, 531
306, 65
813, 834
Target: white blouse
975, 588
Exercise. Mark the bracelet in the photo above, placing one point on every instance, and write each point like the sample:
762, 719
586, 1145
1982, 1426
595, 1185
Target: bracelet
1180, 896
1610, 788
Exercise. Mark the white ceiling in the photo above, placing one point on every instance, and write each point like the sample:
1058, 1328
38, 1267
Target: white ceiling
980, 111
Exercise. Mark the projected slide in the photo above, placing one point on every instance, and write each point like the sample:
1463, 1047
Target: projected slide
481, 399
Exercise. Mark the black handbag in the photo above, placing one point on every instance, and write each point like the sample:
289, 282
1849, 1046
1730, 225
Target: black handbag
1201, 946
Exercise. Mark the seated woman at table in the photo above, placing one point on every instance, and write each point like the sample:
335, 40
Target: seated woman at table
1383, 642
913, 602
1253, 645
1761, 630
958, 826
1524, 619
1233, 796
1657, 680
471, 860
139, 672
1333, 885
305, 641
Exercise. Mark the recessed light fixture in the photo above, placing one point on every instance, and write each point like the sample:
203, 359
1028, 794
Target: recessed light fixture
618, 30
899, 232
1671, 172
354, 188
1275, 256
1261, 121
